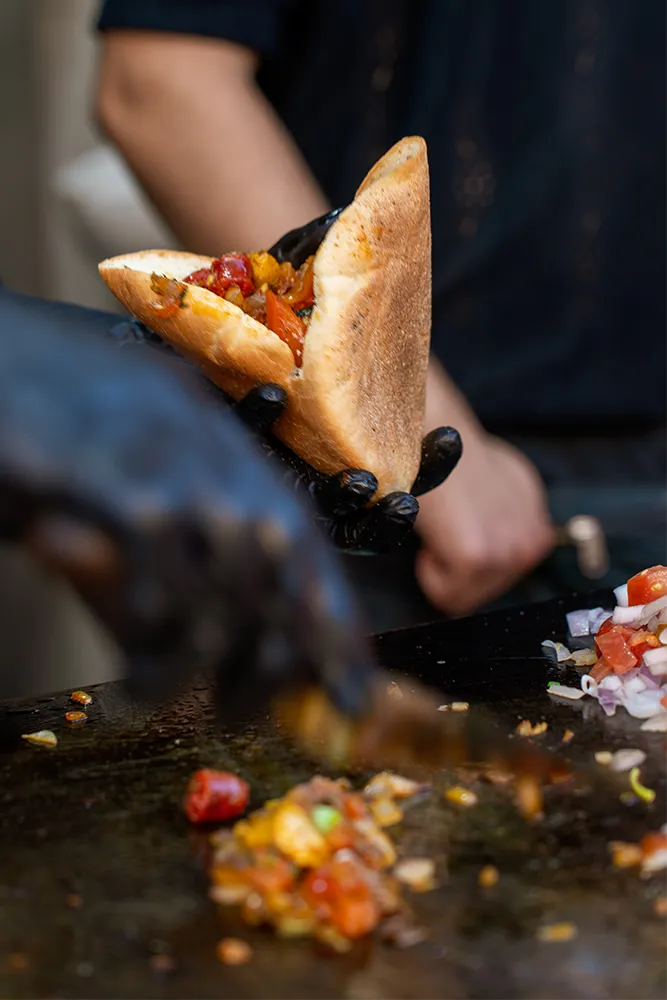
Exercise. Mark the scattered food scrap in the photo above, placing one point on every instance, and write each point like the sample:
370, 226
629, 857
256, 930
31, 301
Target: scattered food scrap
43, 738
568, 735
316, 863
461, 796
624, 760
81, 698
488, 876
526, 728
215, 796
641, 791
556, 933
75, 718
234, 951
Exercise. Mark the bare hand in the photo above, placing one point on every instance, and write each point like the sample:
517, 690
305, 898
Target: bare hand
485, 530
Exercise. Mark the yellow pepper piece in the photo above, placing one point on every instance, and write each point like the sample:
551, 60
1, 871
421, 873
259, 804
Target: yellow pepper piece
256, 831
297, 838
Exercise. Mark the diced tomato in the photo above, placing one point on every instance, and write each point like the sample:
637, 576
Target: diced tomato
648, 585
663, 701
600, 670
286, 324
355, 917
232, 269
614, 646
606, 625
651, 843
338, 894
215, 796
643, 640
354, 806
271, 874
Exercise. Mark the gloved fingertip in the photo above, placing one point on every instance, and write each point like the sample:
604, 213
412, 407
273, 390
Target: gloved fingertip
262, 406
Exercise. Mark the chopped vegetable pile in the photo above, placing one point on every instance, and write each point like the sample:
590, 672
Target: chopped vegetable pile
272, 293
317, 863
629, 665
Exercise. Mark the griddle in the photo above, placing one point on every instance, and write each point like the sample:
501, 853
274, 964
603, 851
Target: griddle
101, 878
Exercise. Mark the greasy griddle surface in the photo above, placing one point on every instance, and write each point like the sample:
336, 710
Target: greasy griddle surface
100, 818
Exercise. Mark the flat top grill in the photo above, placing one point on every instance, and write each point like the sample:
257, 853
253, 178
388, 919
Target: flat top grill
99, 872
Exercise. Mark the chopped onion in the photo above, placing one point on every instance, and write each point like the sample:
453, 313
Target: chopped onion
578, 623
417, 873
642, 705
598, 617
562, 652
653, 608
656, 723
655, 660
611, 683
663, 637
588, 685
625, 760
634, 685
563, 691
628, 616
621, 594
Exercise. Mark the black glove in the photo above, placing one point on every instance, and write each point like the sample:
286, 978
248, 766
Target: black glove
159, 508
341, 501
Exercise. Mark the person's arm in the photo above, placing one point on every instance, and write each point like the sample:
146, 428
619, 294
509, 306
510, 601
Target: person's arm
203, 140
490, 524
189, 118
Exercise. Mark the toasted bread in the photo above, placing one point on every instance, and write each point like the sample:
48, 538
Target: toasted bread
358, 399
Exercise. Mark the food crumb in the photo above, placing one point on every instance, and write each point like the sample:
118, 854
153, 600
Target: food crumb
624, 855
526, 728
603, 757
567, 736
417, 873
75, 718
553, 933
233, 951
81, 698
460, 706
42, 738
461, 796
74, 901
660, 906
488, 876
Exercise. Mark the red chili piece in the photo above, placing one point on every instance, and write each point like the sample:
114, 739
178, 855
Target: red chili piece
215, 796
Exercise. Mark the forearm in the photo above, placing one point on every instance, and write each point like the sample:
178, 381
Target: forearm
447, 406
205, 143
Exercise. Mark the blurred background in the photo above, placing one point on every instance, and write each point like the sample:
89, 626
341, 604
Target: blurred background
66, 198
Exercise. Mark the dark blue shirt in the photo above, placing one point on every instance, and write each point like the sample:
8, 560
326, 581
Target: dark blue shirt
545, 121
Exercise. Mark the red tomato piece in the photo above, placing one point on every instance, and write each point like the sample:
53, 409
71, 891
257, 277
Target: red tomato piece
642, 641
285, 324
232, 269
215, 796
614, 646
648, 585
600, 670
652, 843
607, 624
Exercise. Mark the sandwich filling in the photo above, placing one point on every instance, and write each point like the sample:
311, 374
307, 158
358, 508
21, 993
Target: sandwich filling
274, 294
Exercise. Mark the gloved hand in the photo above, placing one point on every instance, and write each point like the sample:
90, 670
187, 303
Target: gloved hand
158, 507
339, 502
